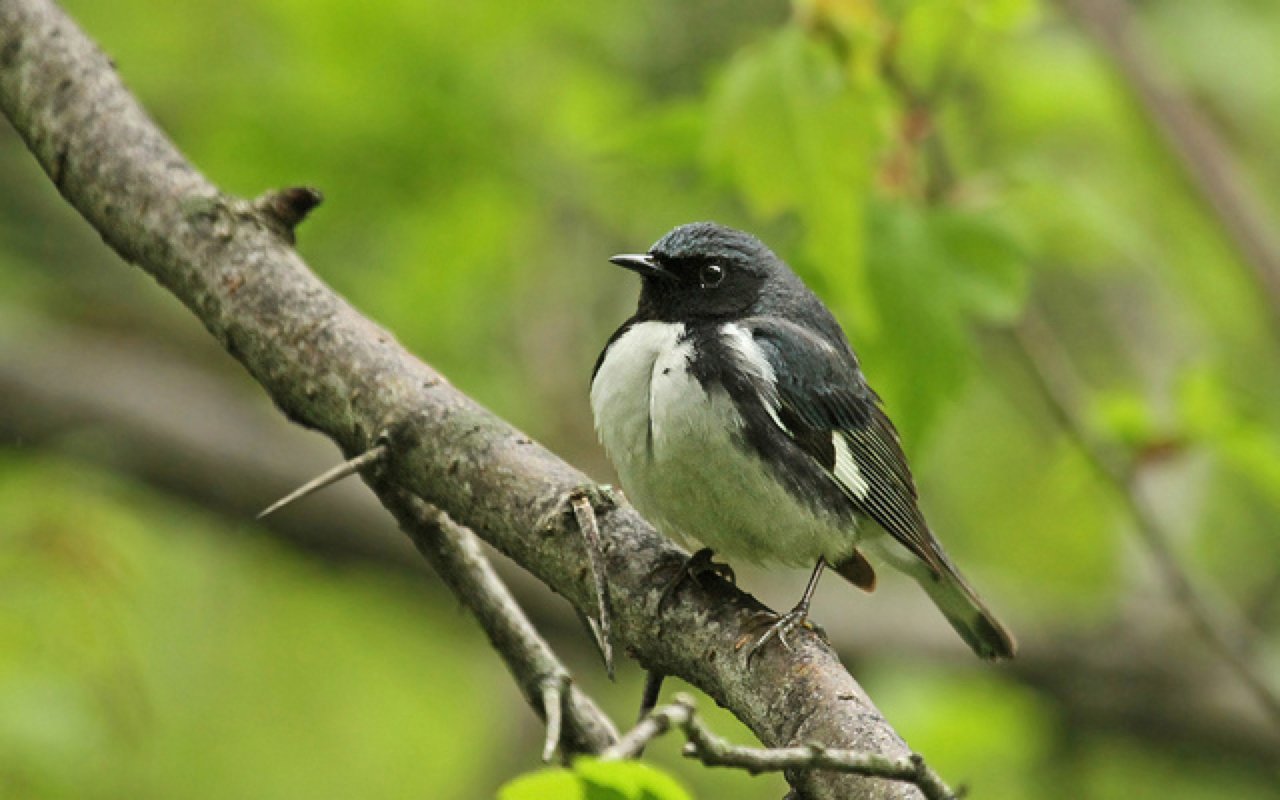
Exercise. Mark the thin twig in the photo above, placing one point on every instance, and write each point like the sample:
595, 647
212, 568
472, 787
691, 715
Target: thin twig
603, 630
327, 478
654, 724
1226, 634
1195, 143
715, 751
553, 710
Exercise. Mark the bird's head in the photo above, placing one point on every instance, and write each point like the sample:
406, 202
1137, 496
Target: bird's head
703, 270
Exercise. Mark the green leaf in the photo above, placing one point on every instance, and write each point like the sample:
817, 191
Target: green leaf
1248, 447
557, 783
589, 779
933, 273
1125, 416
786, 128
922, 356
1004, 15
987, 263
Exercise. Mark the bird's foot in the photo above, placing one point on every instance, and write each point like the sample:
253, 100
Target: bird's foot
780, 627
694, 567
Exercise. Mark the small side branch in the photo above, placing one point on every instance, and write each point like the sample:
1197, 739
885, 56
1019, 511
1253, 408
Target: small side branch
285, 209
328, 478
603, 629
552, 688
715, 751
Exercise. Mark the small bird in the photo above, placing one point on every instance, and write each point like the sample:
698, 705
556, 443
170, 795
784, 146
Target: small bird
738, 417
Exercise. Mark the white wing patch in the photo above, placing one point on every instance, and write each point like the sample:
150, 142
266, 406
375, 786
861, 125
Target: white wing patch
753, 360
846, 469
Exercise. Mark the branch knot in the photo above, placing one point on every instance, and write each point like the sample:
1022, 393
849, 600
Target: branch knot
284, 209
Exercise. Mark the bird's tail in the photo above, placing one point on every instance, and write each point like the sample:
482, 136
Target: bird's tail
969, 615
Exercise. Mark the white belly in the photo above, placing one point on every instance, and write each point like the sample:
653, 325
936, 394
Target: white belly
673, 446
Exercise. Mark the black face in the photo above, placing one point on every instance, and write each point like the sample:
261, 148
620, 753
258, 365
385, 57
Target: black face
701, 271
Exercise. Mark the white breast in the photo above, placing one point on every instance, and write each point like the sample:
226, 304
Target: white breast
673, 444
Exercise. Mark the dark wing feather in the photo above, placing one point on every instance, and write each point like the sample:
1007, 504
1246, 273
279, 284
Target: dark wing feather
821, 393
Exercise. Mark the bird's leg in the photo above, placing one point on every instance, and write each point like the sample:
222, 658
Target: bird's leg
694, 567
791, 620
652, 688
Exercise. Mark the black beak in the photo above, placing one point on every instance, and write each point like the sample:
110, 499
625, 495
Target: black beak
643, 264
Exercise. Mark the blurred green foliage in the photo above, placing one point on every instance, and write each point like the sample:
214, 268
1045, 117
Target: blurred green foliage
140, 663
937, 169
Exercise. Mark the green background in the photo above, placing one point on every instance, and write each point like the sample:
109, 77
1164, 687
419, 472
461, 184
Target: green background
957, 179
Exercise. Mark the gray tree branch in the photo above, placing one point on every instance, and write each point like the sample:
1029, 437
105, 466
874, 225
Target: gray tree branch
328, 368
112, 403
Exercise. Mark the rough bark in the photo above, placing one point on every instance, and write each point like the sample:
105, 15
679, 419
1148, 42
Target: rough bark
328, 368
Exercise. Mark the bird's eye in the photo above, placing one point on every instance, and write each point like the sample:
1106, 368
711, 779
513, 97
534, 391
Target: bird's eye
711, 275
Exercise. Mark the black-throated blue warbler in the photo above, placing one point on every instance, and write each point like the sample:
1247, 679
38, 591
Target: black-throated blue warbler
737, 416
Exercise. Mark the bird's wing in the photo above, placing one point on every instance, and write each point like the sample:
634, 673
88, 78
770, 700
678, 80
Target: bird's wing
825, 406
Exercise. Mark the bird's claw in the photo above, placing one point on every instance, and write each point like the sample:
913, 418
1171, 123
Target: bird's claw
781, 626
601, 496
694, 567
703, 563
